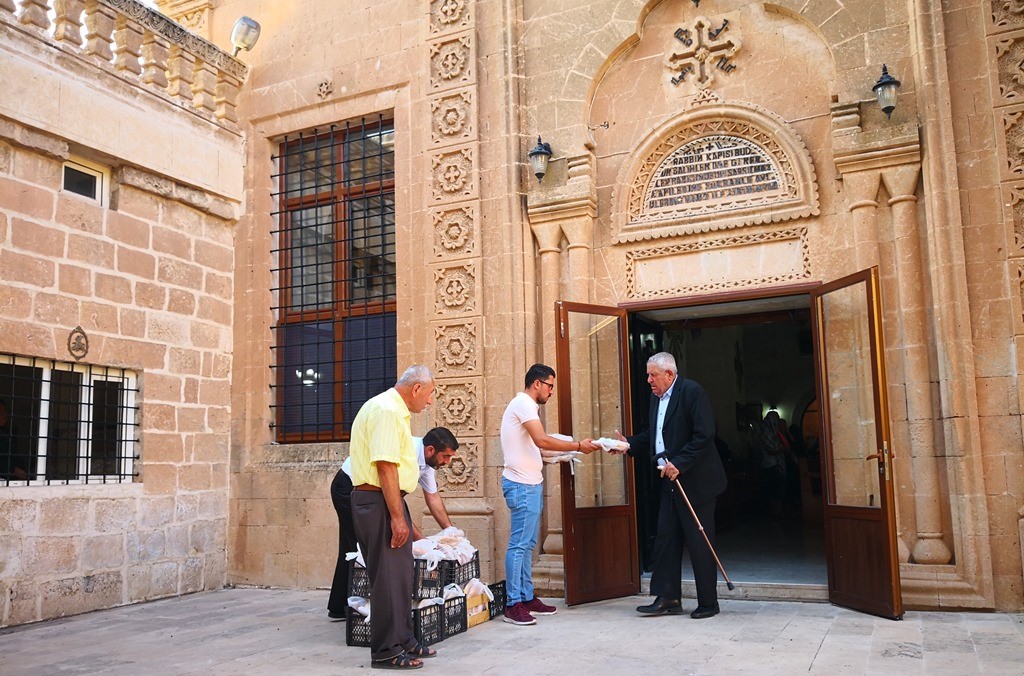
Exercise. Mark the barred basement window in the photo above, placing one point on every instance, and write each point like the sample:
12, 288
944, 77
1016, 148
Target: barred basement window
63, 423
335, 334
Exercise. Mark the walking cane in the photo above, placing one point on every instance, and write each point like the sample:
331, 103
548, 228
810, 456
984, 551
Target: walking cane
700, 527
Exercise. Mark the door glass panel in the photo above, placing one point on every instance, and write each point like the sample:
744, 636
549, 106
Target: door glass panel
851, 393
597, 407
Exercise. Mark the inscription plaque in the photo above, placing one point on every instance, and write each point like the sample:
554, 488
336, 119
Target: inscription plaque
717, 168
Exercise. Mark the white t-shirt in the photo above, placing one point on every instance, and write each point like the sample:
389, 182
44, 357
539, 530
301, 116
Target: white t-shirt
523, 463
428, 477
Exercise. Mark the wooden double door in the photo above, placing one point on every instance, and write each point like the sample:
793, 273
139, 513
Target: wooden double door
598, 496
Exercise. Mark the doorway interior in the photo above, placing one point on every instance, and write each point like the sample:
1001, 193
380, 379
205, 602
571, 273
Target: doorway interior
752, 356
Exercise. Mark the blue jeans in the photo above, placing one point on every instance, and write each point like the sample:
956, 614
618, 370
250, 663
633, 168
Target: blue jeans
525, 502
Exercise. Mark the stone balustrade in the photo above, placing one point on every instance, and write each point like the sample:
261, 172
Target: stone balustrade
140, 44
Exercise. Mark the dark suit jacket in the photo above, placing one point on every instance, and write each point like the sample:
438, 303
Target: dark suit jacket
689, 434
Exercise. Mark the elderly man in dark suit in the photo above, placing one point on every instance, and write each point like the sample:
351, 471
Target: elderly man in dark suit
682, 431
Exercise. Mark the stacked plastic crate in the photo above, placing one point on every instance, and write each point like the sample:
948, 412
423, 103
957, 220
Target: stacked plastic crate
432, 623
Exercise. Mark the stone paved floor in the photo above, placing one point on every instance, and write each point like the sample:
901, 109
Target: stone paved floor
261, 631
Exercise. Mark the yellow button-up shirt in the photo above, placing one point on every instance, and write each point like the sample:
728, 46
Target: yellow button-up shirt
382, 432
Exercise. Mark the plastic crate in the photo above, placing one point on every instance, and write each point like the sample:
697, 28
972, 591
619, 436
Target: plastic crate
428, 624
426, 583
500, 598
357, 631
453, 572
358, 581
455, 616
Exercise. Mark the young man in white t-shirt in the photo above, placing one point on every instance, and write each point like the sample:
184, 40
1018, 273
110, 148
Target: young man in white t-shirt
525, 445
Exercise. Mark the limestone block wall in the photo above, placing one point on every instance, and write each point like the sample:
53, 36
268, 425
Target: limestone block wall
148, 278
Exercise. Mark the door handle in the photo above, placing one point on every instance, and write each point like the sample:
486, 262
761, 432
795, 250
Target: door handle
883, 457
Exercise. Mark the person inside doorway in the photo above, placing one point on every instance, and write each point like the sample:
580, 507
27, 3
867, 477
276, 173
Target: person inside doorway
682, 432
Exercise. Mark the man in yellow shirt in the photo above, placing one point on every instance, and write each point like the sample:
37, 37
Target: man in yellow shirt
384, 469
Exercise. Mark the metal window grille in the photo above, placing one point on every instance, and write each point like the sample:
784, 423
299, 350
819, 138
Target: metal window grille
334, 278
63, 423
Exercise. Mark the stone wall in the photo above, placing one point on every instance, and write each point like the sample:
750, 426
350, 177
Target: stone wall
149, 280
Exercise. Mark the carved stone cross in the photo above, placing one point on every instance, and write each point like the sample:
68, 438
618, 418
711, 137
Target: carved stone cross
705, 50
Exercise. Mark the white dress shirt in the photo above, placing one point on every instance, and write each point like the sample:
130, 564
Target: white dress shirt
659, 440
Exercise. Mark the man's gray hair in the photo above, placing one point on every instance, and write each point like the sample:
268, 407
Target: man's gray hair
416, 374
663, 361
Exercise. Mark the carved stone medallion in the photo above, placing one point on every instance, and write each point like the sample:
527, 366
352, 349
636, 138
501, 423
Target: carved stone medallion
456, 289
448, 16
451, 62
462, 476
457, 348
452, 118
458, 407
453, 175
455, 232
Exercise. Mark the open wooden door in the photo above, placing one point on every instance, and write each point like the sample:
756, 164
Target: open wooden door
860, 514
598, 505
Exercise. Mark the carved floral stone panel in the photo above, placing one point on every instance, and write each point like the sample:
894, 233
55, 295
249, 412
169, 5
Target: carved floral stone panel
453, 175
449, 16
455, 232
459, 407
1012, 123
1008, 73
463, 476
1007, 13
452, 62
457, 289
453, 118
457, 348
1013, 214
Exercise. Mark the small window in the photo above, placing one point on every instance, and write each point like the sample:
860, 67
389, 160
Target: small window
88, 179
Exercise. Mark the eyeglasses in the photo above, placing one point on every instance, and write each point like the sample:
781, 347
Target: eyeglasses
551, 386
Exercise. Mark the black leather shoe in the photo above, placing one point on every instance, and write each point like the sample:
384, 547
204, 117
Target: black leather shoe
661, 607
701, 612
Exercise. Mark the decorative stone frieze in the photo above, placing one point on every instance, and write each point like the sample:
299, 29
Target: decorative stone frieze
1013, 206
714, 167
458, 406
1012, 119
452, 62
463, 475
457, 289
449, 16
453, 118
453, 175
455, 232
457, 348
771, 257
1008, 75
1007, 13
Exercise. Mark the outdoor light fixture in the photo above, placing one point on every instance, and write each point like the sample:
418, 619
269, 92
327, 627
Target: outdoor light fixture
885, 90
539, 157
244, 34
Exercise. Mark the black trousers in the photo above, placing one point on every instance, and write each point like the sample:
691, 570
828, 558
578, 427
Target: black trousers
341, 496
676, 529
391, 575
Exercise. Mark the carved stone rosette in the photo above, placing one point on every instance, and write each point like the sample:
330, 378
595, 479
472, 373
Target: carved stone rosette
455, 232
463, 475
452, 153
457, 407
457, 289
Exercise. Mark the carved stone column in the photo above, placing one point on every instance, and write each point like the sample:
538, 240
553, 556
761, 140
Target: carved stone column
862, 160
901, 182
568, 214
